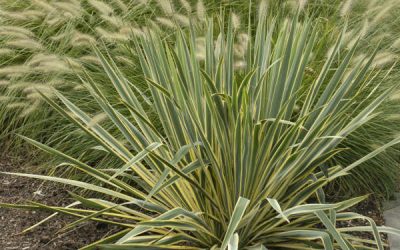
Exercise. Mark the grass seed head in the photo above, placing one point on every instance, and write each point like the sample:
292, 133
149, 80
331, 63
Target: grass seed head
131, 31
302, 4
201, 10
97, 119
4, 83
384, 58
17, 29
14, 70
115, 21
15, 105
6, 52
166, 6
166, 22
121, 5
74, 8
101, 6
182, 20
28, 44
44, 5
30, 109
80, 39
186, 5
235, 21
346, 8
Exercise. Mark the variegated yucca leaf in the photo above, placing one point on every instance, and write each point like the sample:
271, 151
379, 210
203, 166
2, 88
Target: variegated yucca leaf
236, 165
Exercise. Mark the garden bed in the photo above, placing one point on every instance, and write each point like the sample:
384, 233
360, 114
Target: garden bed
46, 236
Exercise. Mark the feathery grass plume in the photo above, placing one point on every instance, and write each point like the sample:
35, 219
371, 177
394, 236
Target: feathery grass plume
111, 36
121, 5
201, 11
114, 20
242, 43
395, 96
393, 117
14, 28
39, 58
218, 46
381, 15
235, 21
54, 66
182, 20
31, 108
186, 5
201, 48
154, 26
73, 7
13, 15
166, 22
396, 44
79, 87
36, 96
4, 83
12, 34
240, 47
4, 98
101, 7
14, 70
131, 31
243, 39
48, 63
384, 58
34, 14
80, 39
58, 82
302, 4
351, 43
240, 64
43, 88
61, 36
166, 6
263, 7
55, 21
73, 63
365, 28
15, 105
43, 4
90, 59
97, 119
358, 58
124, 60
28, 44
346, 8
6, 52
21, 85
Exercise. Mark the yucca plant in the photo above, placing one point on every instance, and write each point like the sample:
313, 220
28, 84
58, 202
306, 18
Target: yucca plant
241, 158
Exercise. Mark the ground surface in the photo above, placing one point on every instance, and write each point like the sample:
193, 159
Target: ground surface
392, 218
46, 236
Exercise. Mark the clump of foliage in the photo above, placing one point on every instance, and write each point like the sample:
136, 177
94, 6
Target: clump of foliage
240, 161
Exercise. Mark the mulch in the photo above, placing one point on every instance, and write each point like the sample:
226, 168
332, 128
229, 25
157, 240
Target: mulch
46, 236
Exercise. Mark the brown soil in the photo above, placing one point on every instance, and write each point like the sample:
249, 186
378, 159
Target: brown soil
46, 236
371, 208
